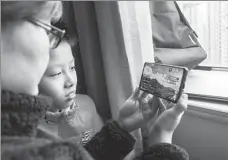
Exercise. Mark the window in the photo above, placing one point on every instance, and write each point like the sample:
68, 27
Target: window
203, 84
210, 21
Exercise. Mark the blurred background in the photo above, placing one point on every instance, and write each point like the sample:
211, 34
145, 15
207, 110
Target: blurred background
209, 19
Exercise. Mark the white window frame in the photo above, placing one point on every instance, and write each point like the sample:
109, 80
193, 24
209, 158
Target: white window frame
212, 88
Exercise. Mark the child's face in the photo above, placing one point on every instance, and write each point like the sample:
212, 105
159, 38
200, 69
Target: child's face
60, 79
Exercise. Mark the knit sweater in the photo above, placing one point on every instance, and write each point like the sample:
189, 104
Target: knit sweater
21, 139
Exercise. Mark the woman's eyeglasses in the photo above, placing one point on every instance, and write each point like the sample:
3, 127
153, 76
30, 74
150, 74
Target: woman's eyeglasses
55, 34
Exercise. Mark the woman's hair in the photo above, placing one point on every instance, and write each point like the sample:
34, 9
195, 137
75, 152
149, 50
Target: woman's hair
19, 10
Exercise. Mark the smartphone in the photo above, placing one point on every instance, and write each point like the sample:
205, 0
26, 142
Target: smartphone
164, 81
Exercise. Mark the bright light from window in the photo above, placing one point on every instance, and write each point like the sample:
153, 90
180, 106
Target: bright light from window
210, 21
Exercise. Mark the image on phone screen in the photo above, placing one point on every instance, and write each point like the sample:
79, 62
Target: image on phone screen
162, 81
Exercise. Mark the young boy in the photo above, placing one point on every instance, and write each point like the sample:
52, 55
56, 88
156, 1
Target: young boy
70, 115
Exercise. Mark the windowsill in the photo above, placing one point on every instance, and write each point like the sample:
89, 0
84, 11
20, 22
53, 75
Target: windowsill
210, 90
209, 105
207, 83
209, 111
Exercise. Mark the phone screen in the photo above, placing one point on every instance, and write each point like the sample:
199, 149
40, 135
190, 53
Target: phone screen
162, 81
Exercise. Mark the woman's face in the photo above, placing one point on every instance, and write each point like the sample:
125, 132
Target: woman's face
24, 56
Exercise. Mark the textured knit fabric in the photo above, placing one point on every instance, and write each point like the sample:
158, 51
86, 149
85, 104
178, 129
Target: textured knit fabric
19, 117
25, 148
118, 146
164, 151
21, 113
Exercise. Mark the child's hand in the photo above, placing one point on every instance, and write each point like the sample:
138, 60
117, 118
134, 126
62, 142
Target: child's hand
163, 127
170, 118
137, 111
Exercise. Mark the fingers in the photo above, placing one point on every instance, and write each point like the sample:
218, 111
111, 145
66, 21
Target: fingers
171, 118
137, 96
143, 102
142, 99
148, 110
156, 102
181, 105
130, 105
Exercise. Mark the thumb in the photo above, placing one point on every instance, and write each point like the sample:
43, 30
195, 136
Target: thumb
182, 104
178, 109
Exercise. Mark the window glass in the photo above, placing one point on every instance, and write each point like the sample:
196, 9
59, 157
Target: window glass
209, 19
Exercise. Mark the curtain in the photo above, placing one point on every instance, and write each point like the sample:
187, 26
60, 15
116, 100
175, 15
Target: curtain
126, 43
82, 19
115, 40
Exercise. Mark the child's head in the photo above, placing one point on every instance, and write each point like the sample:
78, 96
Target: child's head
60, 79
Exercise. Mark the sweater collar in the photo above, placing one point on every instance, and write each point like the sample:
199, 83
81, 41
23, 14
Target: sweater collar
65, 114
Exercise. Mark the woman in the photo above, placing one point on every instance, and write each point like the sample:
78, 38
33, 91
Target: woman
27, 36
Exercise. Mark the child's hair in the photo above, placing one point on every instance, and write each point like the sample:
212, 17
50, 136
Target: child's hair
72, 41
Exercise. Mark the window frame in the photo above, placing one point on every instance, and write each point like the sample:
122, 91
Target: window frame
212, 97
210, 69
203, 66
